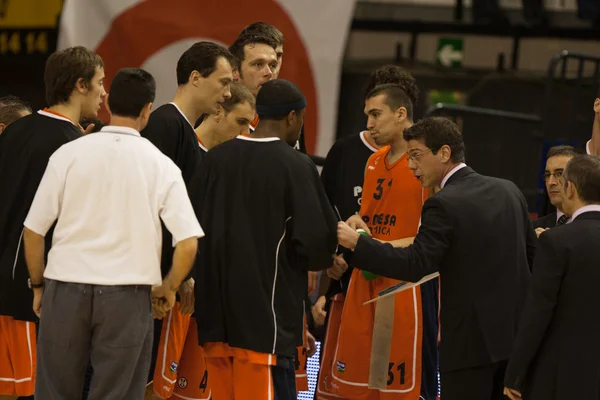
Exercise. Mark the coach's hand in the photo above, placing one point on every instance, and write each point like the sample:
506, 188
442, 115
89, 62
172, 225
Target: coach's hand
347, 236
539, 231
186, 296
356, 222
163, 297
338, 268
37, 301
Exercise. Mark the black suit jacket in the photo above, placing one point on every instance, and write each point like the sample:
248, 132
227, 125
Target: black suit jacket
547, 221
477, 232
557, 350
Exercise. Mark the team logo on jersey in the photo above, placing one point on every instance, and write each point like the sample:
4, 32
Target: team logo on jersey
340, 366
182, 383
174, 367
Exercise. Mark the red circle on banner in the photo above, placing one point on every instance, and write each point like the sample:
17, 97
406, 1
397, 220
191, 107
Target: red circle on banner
147, 27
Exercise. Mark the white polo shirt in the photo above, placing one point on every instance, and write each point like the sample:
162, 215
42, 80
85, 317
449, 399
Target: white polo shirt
108, 192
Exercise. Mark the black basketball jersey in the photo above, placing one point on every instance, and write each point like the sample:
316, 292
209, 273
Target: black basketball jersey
267, 222
170, 131
25, 147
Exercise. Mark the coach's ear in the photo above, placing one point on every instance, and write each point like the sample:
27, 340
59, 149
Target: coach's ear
2, 127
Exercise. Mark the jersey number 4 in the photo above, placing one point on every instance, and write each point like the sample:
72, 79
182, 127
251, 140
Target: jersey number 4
204, 381
379, 189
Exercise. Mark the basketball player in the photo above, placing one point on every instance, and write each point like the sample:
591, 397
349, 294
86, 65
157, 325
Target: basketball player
390, 206
180, 367
259, 49
342, 176
74, 89
268, 222
204, 76
11, 109
232, 119
267, 30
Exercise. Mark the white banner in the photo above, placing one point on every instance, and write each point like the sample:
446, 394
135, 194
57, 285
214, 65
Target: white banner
152, 34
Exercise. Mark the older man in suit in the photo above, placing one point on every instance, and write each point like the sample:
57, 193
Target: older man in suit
477, 233
557, 353
556, 161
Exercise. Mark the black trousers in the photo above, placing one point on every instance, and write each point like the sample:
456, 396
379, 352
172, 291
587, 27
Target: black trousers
480, 383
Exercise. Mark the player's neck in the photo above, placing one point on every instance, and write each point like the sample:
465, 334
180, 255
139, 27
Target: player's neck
267, 129
204, 135
67, 110
397, 150
186, 105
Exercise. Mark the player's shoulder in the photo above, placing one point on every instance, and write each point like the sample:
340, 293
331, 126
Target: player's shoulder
378, 156
163, 117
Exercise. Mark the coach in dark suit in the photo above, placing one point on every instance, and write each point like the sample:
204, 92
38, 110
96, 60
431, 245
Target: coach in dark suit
477, 233
557, 352
556, 161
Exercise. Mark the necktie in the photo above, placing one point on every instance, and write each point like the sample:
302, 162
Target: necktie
562, 220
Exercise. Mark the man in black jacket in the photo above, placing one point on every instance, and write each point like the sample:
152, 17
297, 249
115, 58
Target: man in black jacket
556, 353
477, 233
556, 161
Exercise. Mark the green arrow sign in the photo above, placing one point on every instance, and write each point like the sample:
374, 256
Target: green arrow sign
450, 52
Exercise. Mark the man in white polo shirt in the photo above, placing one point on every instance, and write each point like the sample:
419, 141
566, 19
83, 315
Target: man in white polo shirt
107, 193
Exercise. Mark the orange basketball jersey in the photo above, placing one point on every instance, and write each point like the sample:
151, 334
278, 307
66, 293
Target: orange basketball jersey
391, 206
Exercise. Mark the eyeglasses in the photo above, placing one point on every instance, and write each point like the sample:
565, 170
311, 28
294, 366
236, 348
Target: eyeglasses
416, 156
556, 174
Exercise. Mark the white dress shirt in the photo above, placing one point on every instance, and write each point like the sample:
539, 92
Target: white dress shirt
108, 192
584, 209
452, 172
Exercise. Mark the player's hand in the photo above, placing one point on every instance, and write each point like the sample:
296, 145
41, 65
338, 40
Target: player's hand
347, 236
318, 311
312, 345
512, 394
88, 129
313, 281
338, 268
186, 296
37, 301
356, 222
539, 231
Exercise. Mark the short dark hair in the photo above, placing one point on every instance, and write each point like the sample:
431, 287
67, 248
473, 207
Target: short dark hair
436, 132
264, 30
584, 172
567, 151
278, 94
11, 108
130, 91
64, 68
252, 37
239, 94
397, 75
201, 57
395, 97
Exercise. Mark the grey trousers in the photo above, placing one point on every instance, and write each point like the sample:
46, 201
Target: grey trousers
111, 325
